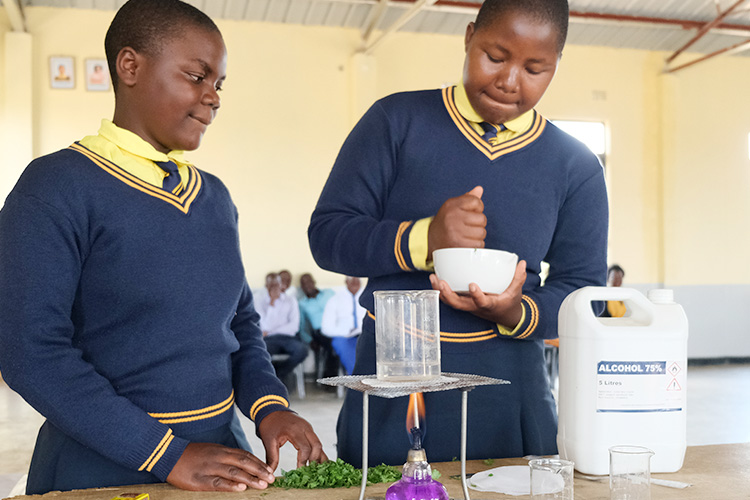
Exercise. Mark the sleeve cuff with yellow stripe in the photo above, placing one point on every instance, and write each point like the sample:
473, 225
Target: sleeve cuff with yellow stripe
266, 405
418, 244
161, 458
401, 246
528, 323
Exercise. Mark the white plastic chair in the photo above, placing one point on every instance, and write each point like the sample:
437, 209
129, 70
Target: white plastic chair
299, 374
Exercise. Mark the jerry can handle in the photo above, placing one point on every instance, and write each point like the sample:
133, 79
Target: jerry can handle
641, 308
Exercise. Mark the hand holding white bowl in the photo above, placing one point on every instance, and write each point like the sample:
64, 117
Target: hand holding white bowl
491, 269
501, 308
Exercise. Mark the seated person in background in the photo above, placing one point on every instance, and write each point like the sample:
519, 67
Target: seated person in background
279, 321
312, 302
286, 283
342, 321
261, 294
615, 308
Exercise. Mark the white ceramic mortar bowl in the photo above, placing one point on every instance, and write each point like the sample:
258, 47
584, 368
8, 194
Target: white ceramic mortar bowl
491, 269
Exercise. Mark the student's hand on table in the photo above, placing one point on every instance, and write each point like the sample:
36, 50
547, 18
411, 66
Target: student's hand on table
460, 222
281, 427
504, 309
213, 467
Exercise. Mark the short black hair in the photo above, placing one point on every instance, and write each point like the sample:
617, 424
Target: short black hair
555, 12
615, 268
145, 24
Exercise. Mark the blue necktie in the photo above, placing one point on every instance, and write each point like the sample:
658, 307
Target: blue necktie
172, 181
491, 131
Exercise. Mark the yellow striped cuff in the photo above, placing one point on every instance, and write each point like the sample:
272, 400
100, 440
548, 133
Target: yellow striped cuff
158, 452
397, 246
271, 399
533, 317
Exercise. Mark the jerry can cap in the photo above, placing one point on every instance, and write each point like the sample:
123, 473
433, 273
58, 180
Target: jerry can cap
661, 296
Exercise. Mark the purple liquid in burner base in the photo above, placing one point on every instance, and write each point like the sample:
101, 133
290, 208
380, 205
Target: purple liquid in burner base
416, 481
416, 489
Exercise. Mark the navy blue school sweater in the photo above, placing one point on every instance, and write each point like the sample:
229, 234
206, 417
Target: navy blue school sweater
545, 200
544, 197
125, 316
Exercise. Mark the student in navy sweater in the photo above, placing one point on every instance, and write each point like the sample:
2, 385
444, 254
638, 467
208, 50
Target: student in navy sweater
473, 165
125, 317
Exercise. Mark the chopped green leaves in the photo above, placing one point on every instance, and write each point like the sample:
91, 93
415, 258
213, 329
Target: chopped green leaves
382, 474
335, 474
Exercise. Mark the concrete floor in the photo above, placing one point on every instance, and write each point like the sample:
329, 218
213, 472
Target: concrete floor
718, 412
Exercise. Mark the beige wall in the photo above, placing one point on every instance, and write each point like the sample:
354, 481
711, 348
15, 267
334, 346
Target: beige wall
615, 87
677, 168
284, 114
707, 172
4, 28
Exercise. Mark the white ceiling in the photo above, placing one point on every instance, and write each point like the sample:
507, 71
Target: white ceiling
663, 25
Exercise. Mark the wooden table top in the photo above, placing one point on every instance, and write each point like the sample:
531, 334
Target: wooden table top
715, 472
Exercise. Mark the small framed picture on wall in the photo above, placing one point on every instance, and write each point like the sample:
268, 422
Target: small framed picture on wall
97, 75
62, 72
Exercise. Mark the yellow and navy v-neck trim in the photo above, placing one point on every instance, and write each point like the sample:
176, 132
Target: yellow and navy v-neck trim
181, 202
491, 152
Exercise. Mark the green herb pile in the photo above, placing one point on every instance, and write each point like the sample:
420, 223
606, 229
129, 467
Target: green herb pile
338, 474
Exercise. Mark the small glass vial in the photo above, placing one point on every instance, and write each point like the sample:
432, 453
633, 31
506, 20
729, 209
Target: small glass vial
416, 481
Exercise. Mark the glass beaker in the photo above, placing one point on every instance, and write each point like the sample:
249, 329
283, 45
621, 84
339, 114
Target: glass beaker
630, 473
407, 335
551, 479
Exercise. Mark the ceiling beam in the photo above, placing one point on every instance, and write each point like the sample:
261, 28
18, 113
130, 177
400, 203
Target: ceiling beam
705, 29
376, 15
417, 6
660, 21
732, 49
15, 15
701, 27
604, 17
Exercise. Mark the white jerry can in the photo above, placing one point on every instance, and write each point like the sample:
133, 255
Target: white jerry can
622, 380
